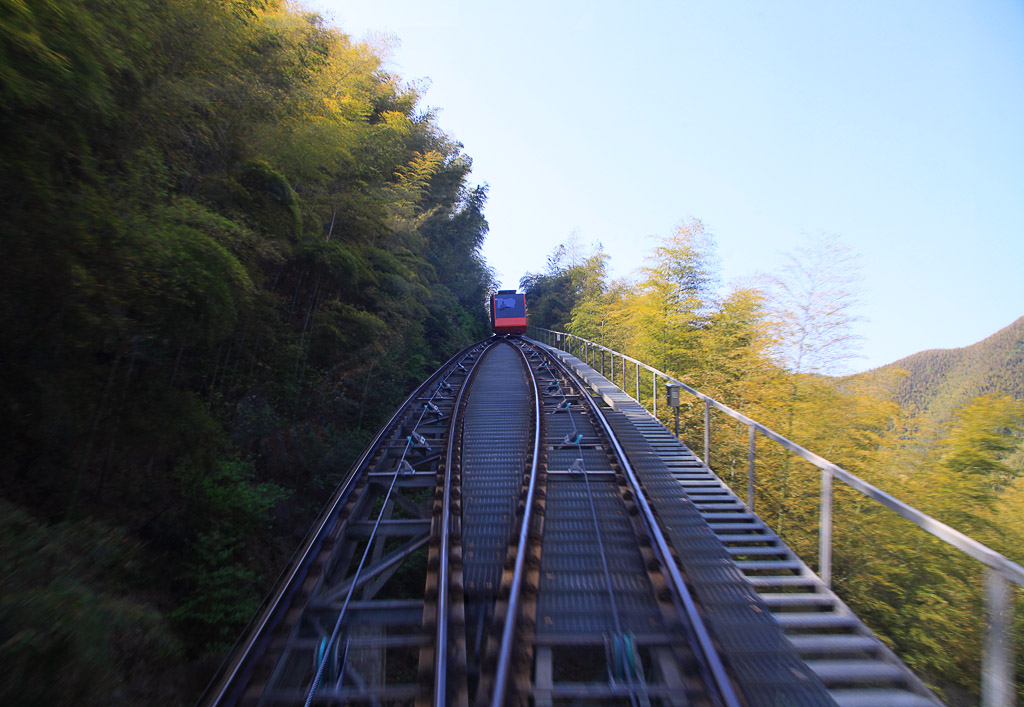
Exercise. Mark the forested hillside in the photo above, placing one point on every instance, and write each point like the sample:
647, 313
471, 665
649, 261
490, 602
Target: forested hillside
232, 240
772, 349
941, 380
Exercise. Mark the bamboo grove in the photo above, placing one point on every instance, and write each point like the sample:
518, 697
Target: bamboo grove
232, 241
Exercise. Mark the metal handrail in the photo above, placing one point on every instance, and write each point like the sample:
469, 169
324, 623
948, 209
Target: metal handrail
997, 661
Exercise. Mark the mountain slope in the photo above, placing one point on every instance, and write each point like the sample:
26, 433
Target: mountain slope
942, 380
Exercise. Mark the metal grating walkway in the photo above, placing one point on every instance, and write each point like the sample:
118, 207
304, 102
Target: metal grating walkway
573, 590
494, 454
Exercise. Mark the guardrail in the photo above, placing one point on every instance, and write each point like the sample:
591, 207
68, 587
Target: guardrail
997, 680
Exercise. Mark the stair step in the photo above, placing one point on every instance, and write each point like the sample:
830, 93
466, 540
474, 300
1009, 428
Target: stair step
880, 698
834, 644
778, 550
809, 620
806, 599
745, 525
802, 581
714, 518
754, 537
854, 671
778, 565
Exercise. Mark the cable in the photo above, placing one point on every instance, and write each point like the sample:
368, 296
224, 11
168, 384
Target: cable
600, 542
427, 407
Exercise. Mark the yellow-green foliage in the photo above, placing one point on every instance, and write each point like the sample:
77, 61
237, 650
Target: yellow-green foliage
762, 350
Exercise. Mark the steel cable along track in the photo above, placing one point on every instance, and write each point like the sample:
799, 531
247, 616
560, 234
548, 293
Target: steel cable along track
345, 623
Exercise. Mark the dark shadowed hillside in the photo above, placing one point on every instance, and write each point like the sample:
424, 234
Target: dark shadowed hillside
232, 241
942, 380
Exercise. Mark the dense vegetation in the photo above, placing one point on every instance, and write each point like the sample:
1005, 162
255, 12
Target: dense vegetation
231, 242
771, 349
940, 381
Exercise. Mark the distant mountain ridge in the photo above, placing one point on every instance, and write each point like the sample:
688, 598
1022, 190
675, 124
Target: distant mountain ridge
942, 380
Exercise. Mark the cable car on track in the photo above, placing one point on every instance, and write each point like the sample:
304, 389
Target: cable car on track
508, 312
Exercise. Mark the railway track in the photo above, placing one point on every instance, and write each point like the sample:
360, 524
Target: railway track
495, 545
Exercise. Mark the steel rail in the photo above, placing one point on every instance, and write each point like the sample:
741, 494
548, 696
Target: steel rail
224, 682
505, 651
705, 643
441, 634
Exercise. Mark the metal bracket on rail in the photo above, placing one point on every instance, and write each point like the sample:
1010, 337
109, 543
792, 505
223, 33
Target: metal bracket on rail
417, 440
564, 407
570, 440
434, 410
623, 658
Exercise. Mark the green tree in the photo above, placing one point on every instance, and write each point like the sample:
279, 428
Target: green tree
573, 278
676, 296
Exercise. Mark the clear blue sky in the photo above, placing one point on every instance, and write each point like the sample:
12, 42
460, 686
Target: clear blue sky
897, 125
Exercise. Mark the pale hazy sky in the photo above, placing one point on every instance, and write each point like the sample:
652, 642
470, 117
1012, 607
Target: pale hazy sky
897, 125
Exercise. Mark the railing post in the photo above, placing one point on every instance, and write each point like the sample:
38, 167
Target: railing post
997, 657
654, 392
638, 382
750, 467
707, 433
825, 529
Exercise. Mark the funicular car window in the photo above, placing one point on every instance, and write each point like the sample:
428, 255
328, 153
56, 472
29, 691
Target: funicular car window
509, 306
